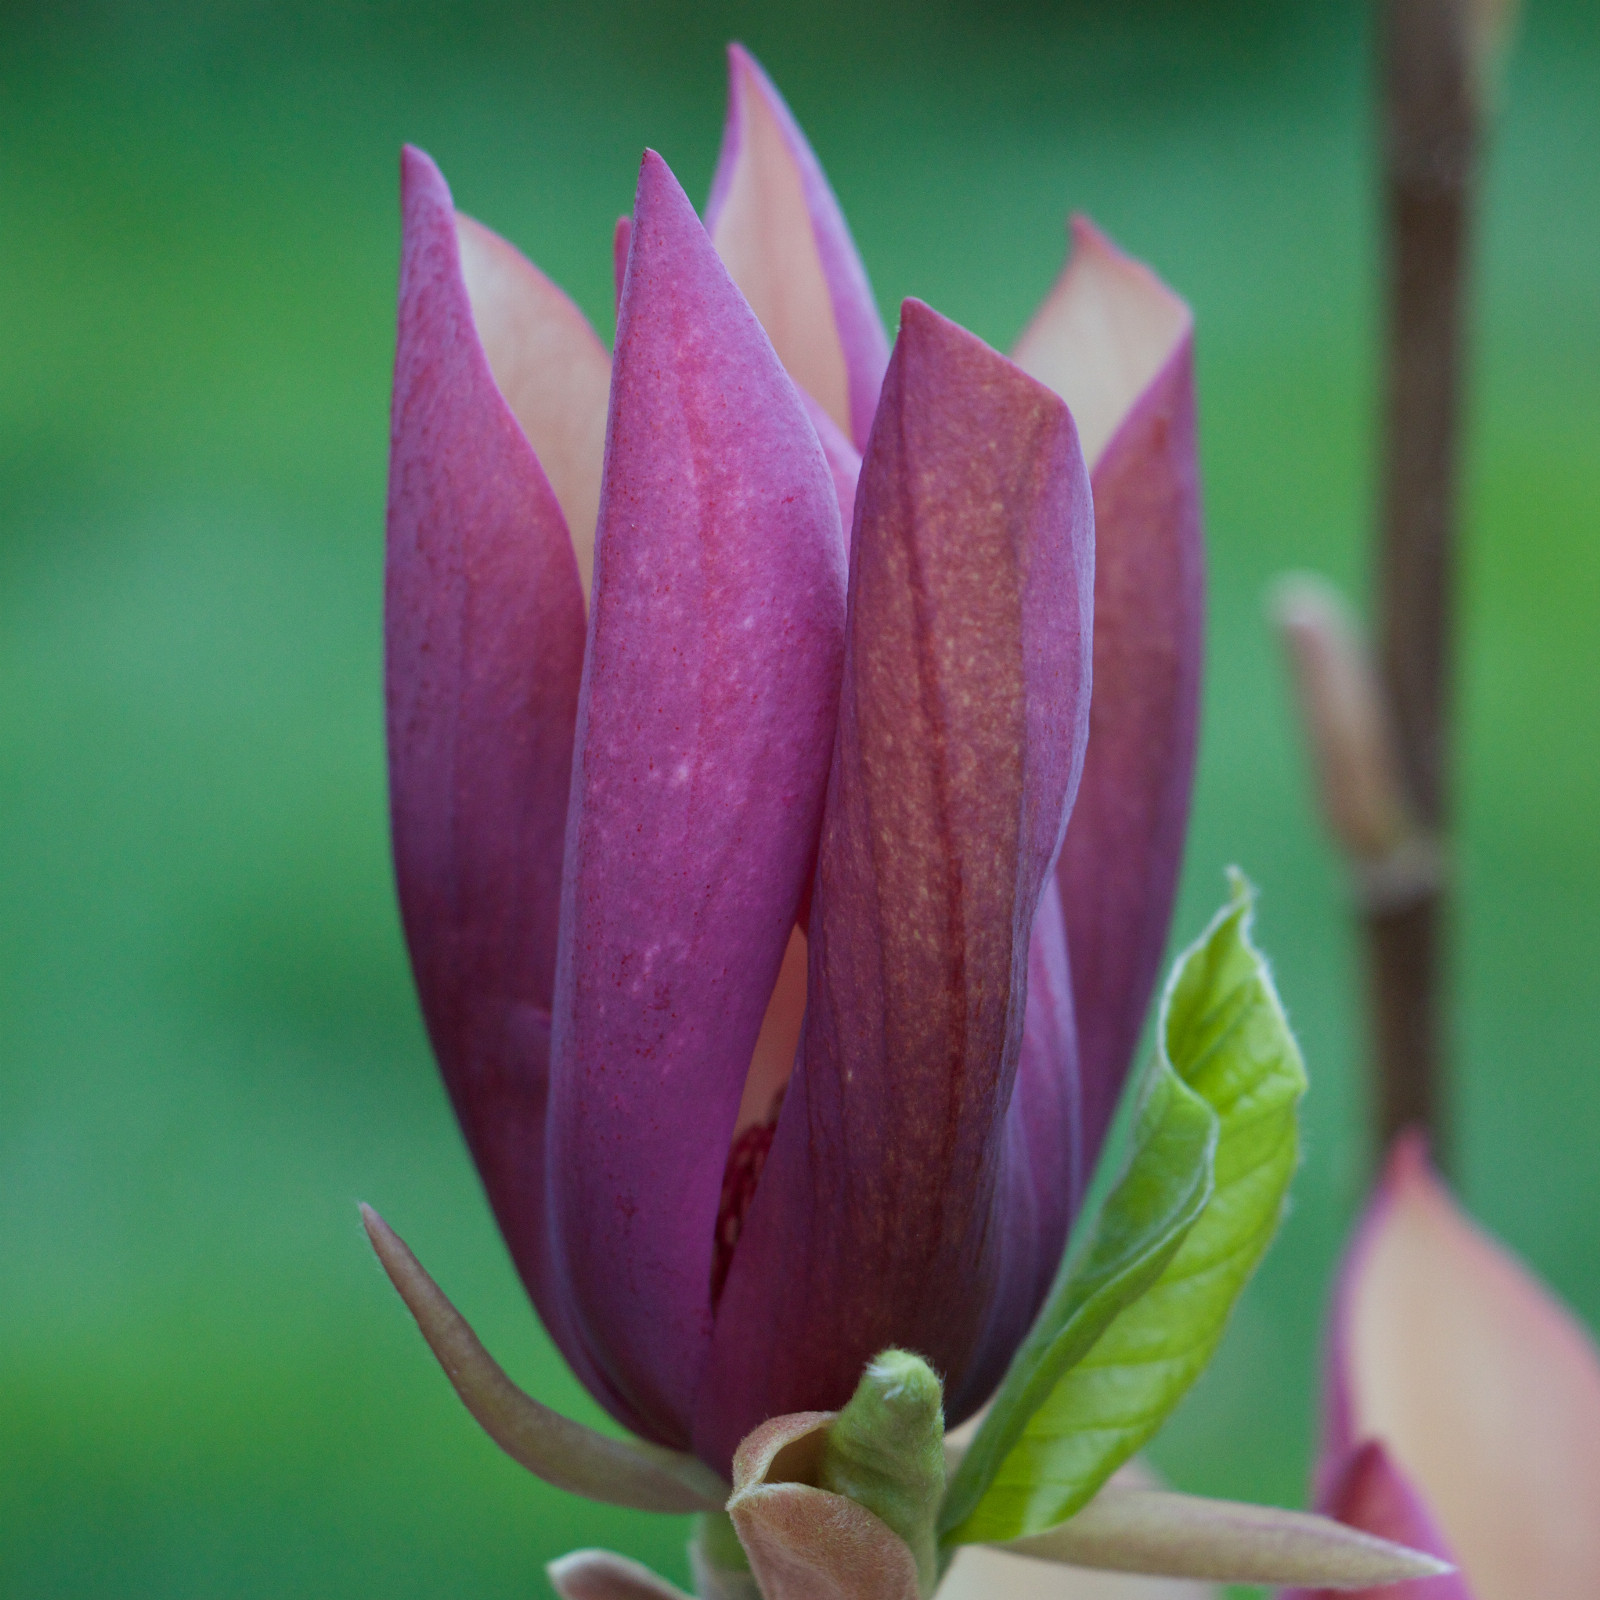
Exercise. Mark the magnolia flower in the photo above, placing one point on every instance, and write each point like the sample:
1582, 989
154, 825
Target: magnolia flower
783, 915
1462, 1409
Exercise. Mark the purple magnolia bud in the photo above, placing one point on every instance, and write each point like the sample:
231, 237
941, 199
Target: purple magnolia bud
737, 898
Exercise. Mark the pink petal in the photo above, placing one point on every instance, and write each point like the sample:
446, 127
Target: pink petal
1116, 344
778, 227
710, 692
1482, 1388
1368, 1491
803, 1542
960, 738
552, 370
484, 648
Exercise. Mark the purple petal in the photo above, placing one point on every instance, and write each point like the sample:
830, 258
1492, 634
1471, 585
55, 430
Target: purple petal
782, 234
710, 692
960, 738
1369, 1491
1481, 1386
1042, 1175
1117, 345
844, 460
484, 648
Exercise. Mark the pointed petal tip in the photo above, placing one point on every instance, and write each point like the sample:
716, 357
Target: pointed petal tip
1104, 335
421, 179
1088, 238
658, 184
780, 230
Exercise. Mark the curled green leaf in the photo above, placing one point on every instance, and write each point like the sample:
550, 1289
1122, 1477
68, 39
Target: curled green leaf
1135, 1316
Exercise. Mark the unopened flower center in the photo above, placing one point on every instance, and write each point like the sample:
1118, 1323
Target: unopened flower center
771, 1063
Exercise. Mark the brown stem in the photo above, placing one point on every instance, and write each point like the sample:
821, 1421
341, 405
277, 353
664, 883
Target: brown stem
1429, 148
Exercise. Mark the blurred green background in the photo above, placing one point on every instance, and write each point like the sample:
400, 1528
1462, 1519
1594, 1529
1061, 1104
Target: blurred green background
209, 1049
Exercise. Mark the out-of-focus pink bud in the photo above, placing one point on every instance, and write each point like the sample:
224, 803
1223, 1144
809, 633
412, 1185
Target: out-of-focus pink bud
1482, 1390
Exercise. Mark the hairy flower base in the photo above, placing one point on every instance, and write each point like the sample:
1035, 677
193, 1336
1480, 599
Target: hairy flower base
874, 1502
802, 1539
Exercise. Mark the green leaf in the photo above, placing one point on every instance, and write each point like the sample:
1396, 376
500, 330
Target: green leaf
1135, 1317
885, 1451
1162, 1191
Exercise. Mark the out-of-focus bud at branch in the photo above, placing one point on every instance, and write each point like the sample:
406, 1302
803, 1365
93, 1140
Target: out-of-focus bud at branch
1490, 27
1350, 732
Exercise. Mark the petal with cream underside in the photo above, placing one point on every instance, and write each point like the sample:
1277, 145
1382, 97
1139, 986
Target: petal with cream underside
959, 742
705, 727
483, 631
1116, 344
1485, 1391
778, 227
553, 371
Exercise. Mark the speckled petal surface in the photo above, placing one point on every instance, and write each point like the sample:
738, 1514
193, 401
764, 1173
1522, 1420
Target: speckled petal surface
1117, 344
483, 653
961, 730
779, 228
705, 726
1482, 1388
